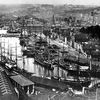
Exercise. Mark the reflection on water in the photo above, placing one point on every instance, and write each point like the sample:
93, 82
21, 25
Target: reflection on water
12, 47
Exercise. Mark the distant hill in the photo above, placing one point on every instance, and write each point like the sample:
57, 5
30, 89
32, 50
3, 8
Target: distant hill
44, 11
12, 8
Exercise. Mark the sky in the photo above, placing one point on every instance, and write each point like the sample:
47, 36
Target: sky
75, 2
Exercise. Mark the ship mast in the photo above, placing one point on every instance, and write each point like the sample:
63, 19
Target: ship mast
4, 48
58, 65
8, 49
90, 66
1, 51
23, 62
16, 54
90, 62
78, 68
10, 53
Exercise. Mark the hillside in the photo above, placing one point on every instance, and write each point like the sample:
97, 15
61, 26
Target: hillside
44, 11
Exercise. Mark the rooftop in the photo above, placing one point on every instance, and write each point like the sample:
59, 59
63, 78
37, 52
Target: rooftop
21, 80
4, 85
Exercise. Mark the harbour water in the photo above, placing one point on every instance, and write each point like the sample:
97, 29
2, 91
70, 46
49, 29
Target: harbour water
11, 47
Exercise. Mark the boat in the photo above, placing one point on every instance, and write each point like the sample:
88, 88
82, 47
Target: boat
28, 53
75, 83
76, 60
88, 73
43, 59
22, 42
74, 70
43, 63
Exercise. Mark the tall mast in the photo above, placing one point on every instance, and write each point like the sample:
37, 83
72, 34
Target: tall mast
24, 26
4, 48
23, 62
58, 65
78, 67
10, 53
8, 49
16, 54
13, 27
63, 50
90, 66
90, 62
53, 20
1, 51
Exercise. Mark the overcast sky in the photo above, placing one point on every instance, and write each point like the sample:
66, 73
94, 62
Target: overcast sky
81, 2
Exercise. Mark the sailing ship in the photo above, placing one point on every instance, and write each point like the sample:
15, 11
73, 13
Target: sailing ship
43, 62
74, 70
42, 56
29, 52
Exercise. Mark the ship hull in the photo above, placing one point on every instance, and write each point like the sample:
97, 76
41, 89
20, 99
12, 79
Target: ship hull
43, 64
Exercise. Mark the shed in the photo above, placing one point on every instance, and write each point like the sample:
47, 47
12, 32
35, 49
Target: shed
22, 83
21, 80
